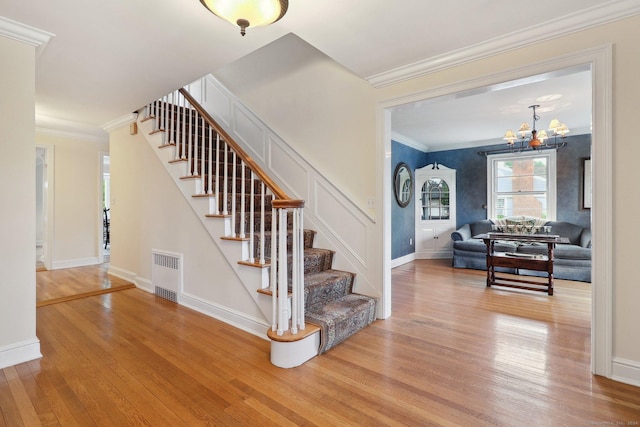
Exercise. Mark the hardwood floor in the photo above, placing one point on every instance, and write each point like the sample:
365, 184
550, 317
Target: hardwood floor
67, 284
453, 353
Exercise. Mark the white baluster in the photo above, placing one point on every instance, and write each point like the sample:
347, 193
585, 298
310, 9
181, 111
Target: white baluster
196, 138
210, 161
283, 312
183, 139
300, 265
233, 196
171, 124
163, 115
252, 212
294, 274
217, 175
273, 276
190, 135
243, 202
203, 155
178, 126
225, 172
262, 211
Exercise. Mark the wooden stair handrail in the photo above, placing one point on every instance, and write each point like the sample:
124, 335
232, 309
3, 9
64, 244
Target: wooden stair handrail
278, 193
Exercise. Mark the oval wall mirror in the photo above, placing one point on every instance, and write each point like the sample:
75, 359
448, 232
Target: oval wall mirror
403, 184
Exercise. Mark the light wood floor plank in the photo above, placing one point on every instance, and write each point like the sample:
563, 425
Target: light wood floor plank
453, 353
53, 286
25, 406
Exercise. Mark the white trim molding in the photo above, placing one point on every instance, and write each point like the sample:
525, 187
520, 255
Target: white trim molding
25, 34
19, 352
72, 263
125, 120
594, 16
626, 371
232, 317
397, 262
409, 142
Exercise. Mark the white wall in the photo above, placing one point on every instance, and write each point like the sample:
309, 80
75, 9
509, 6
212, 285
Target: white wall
77, 195
18, 341
148, 211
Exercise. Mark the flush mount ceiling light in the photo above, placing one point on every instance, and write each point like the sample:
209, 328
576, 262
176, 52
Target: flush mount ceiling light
529, 137
245, 13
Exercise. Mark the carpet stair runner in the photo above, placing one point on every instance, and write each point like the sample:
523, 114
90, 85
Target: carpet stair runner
330, 302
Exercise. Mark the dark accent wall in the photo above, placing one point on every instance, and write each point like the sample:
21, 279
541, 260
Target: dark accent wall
403, 220
471, 186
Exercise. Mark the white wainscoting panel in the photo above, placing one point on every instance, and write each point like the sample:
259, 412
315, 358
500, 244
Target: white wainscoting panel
250, 133
218, 104
341, 225
339, 219
288, 169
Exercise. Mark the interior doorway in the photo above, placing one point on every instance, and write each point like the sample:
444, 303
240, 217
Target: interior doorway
106, 207
44, 207
599, 59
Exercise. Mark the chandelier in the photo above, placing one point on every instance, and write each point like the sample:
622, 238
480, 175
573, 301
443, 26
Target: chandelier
528, 137
245, 13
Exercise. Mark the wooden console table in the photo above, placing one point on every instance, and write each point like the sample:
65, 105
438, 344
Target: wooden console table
525, 261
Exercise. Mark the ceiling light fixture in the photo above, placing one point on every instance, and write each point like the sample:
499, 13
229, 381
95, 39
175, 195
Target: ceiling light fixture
245, 13
530, 138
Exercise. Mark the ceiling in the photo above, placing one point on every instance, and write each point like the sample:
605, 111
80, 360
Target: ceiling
482, 116
106, 59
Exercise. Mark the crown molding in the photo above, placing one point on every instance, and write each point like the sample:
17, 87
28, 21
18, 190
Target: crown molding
25, 34
125, 120
405, 140
605, 13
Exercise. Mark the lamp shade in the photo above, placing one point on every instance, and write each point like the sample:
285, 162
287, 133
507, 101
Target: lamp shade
562, 130
245, 13
510, 136
555, 124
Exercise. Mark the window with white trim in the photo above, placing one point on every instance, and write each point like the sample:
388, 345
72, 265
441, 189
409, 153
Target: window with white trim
522, 184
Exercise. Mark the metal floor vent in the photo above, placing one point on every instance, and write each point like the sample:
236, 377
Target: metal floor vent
166, 274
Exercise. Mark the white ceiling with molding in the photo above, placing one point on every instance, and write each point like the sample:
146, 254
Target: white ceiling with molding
106, 59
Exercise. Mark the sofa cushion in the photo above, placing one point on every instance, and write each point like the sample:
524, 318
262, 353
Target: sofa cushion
566, 229
477, 245
480, 227
561, 251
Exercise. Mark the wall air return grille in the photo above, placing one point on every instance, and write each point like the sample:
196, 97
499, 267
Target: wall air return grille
166, 274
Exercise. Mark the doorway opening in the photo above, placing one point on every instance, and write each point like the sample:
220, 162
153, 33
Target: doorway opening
106, 207
599, 61
44, 207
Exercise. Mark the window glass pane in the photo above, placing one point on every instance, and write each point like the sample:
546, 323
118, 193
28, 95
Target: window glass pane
435, 199
521, 186
529, 174
522, 204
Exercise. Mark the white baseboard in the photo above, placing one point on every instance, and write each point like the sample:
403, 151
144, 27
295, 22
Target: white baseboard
234, 318
144, 284
123, 274
626, 371
72, 263
403, 260
20, 352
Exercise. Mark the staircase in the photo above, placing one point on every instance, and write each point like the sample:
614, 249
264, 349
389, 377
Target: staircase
313, 306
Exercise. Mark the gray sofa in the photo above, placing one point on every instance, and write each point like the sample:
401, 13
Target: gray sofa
572, 261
